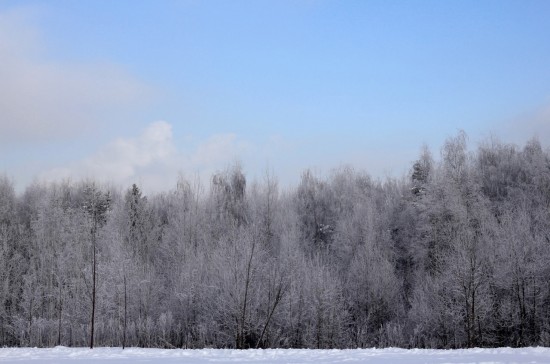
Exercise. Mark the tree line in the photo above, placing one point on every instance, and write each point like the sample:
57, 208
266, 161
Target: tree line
454, 255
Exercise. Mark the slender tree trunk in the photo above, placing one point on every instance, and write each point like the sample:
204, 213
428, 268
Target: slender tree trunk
125, 313
318, 328
93, 288
534, 314
278, 298
60, 312
474, 338
30, 322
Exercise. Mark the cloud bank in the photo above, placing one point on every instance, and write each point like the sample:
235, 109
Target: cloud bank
44, 100
152, 159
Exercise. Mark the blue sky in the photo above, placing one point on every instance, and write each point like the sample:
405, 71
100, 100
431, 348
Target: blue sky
141, 91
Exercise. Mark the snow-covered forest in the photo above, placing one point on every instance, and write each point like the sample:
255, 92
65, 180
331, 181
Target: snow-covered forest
454, 255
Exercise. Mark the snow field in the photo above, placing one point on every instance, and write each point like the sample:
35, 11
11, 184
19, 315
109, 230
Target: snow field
275, 356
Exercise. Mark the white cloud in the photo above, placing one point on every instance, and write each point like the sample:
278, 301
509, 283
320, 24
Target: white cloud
124, 159
53, 100
152, 159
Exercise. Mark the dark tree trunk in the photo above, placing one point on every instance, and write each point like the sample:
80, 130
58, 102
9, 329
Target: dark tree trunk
94, 263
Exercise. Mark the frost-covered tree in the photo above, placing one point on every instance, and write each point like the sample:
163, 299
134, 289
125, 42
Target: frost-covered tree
96, 205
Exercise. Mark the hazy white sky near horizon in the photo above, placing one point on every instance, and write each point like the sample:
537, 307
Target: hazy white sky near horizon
140, 91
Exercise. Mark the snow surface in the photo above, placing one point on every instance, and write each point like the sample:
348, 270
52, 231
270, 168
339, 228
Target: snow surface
62, 354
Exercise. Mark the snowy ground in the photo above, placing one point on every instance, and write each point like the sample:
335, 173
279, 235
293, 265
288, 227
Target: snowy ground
278, 356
